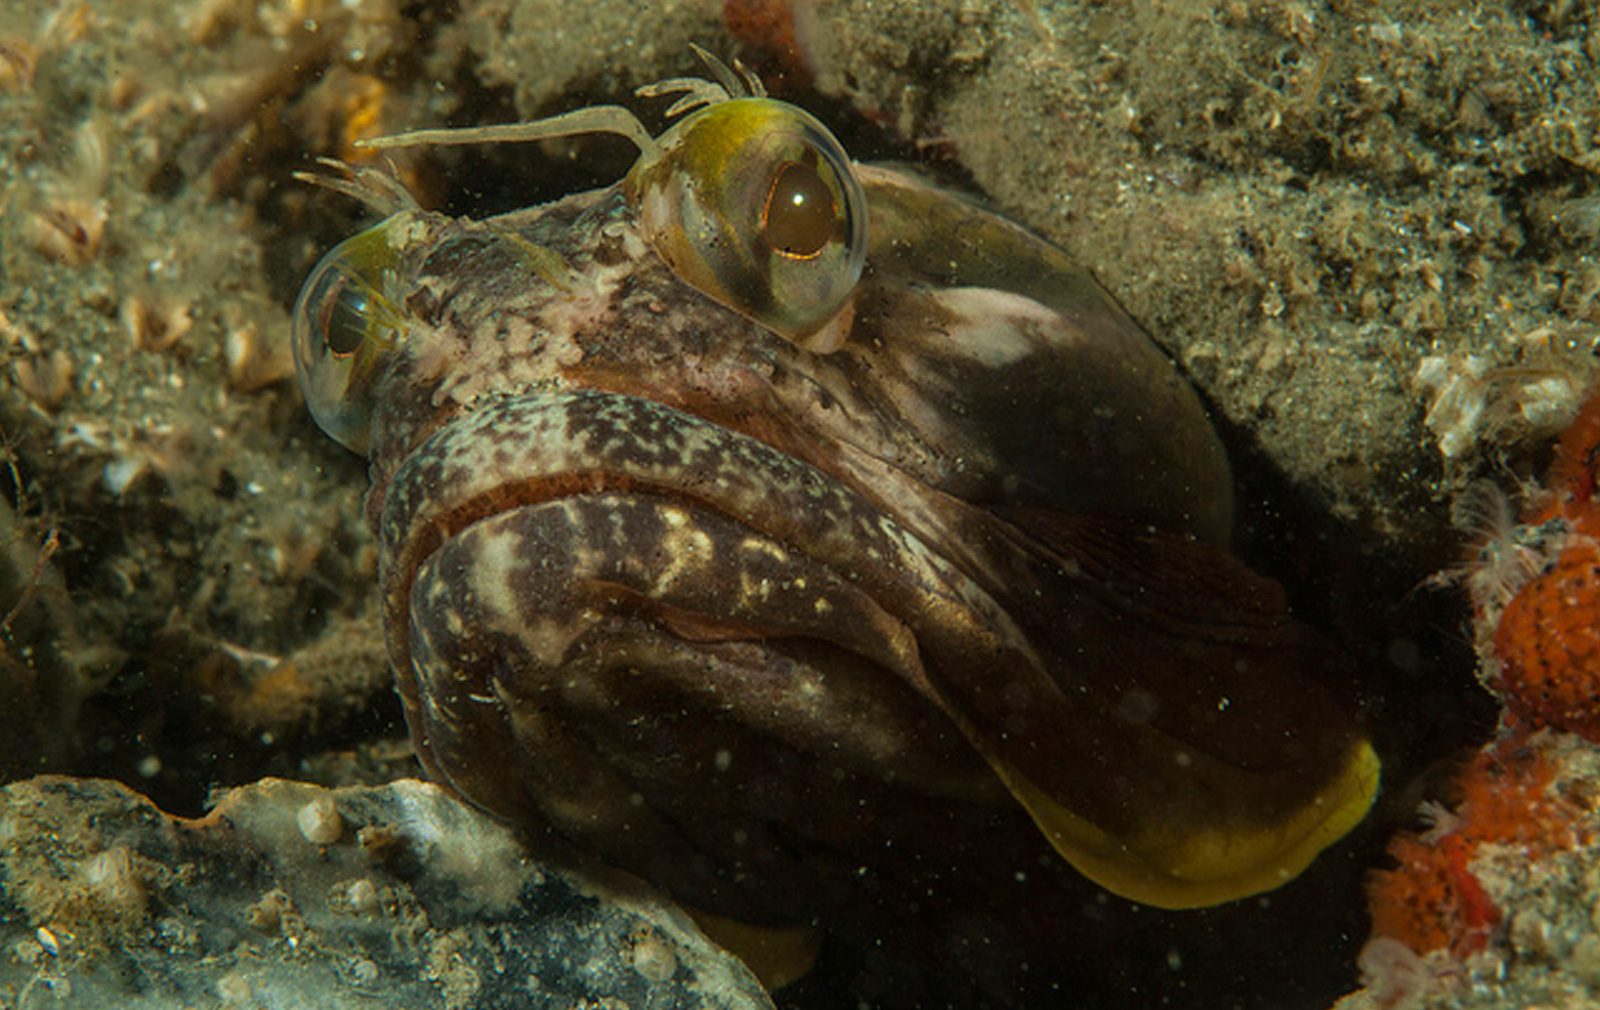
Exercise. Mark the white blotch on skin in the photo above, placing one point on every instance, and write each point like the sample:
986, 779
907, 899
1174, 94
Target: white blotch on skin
1000, 317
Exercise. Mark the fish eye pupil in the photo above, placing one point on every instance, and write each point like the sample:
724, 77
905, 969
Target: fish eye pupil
343, 319
800, 217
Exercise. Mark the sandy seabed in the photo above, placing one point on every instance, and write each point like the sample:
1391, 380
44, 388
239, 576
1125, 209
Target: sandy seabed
1369, 234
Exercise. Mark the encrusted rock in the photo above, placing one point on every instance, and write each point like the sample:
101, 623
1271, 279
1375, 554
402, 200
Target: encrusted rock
108, 899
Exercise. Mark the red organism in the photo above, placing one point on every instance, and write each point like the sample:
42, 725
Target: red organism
1432, 900
1572, 491
1535, 586
1546, 641
767, 27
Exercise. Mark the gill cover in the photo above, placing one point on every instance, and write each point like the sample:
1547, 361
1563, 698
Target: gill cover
1179, 738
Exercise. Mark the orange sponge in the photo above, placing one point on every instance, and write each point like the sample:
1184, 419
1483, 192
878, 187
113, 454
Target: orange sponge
1548, 644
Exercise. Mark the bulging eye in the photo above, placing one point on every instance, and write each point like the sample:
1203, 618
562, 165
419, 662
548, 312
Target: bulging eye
752, 201
343, 326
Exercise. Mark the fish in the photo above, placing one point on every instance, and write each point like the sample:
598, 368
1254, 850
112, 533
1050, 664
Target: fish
781, 528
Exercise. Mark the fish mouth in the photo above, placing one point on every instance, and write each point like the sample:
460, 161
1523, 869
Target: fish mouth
549, 447
591, 536
768, 519
530, 527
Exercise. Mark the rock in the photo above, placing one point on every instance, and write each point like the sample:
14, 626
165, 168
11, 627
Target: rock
416, 900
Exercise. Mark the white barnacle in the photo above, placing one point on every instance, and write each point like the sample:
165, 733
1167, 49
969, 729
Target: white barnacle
1459, 398
1470, 399
319, 821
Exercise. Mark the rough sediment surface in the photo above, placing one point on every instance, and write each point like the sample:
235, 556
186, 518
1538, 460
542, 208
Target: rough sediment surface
1370, 235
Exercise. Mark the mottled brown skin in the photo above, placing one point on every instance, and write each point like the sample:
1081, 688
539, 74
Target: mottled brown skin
731, 615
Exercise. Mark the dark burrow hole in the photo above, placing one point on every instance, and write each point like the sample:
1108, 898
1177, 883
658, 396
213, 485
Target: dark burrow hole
150, 729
